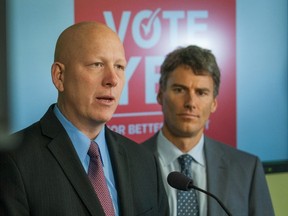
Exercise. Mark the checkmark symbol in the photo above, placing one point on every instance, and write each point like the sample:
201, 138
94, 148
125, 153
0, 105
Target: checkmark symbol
147, 28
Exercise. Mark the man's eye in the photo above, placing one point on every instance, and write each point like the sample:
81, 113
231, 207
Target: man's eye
98, 64
202, 93
178, 90
120, 67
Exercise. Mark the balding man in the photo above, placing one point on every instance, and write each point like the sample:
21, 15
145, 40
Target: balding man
49, 171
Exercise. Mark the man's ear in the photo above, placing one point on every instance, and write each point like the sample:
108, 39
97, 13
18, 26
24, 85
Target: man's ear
160, 97
214, 105
57, 73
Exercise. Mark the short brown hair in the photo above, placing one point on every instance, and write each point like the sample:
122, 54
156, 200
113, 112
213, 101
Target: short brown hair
200, 60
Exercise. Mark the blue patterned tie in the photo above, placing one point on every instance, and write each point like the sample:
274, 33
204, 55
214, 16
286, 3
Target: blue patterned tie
187, 203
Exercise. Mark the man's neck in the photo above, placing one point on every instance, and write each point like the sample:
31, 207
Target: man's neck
184, 144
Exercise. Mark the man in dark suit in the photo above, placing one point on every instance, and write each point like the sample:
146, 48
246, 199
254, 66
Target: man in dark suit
189, 85
46, 174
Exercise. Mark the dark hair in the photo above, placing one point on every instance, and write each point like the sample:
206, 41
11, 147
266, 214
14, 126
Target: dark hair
200, 60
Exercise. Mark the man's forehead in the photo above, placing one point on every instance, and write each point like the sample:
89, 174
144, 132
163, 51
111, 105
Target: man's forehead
181, 79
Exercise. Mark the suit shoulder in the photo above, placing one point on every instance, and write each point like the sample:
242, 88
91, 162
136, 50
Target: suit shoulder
151, 143
127, 142
230, 151
29, 132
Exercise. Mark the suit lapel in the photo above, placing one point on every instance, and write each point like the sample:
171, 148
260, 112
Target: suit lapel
64, 152
217, 166
121, 170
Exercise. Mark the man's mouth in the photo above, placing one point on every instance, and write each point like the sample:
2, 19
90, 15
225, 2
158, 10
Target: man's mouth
189, 115
106, 99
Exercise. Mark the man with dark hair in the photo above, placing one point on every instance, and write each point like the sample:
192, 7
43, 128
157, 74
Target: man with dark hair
189, 85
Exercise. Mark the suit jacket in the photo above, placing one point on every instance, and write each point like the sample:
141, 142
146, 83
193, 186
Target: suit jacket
235, 177
44, 176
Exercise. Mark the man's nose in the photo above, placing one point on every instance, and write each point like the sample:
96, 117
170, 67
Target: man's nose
189, 100
110, 77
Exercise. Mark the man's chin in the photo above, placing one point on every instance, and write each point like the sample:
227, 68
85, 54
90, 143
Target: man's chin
104, 119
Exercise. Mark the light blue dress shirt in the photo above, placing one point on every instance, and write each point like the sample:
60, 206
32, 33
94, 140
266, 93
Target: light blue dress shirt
81, 144
168, 155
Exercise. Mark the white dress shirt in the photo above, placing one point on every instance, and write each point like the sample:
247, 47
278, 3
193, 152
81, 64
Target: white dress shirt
168, 155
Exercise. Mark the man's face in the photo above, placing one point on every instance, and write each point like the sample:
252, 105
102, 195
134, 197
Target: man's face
92, 80
187, 102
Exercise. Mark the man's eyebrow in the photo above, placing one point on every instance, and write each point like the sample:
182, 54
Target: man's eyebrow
184, 86
203, 88
178, 85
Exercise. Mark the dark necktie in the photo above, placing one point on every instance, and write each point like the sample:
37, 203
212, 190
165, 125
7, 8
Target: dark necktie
187, 203
97, 178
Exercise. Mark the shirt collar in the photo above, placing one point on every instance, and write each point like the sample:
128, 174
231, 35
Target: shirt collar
168, 152
79, 140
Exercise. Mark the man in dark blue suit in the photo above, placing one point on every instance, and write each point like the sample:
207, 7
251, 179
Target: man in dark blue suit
189, 85
46, 174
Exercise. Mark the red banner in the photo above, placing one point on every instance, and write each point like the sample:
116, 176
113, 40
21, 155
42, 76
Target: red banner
151, 29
